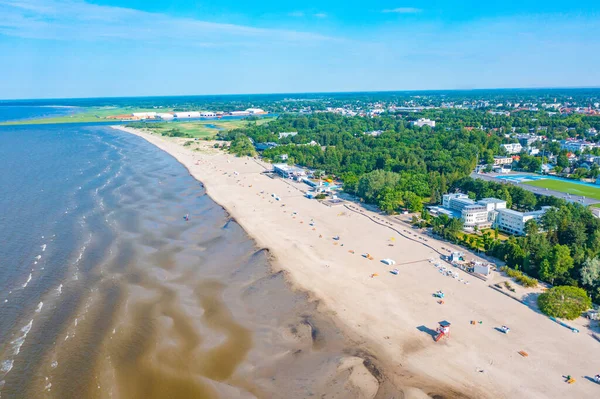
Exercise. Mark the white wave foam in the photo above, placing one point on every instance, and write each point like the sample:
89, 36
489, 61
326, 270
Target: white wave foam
43, 247
48, 386
28, 280
54, 364
38, 257
59, 289
76, 321
39, 307
6, 366
18, 342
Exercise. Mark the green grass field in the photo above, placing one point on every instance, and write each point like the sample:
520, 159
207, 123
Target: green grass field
567, 187
91, 114
201, 129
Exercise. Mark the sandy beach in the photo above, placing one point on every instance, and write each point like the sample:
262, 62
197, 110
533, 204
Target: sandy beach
393, 316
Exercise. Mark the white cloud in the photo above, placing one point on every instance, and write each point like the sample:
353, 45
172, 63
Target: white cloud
78, 20
321, 15
297, 14
404, 10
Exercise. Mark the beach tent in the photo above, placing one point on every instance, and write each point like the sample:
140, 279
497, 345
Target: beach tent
388, 262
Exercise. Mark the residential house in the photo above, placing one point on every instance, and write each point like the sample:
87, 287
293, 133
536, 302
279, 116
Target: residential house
513, 148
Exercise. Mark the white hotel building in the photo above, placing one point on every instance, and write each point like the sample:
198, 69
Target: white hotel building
488, 212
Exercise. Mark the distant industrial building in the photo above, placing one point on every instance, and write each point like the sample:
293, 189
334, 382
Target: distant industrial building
187, 114
165, 116
208, 114
144, 115
423, 122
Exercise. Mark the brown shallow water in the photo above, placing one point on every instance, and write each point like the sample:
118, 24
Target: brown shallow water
148, 305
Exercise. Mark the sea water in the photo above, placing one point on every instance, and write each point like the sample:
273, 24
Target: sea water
107, 291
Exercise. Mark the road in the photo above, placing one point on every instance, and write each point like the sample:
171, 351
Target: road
537, 190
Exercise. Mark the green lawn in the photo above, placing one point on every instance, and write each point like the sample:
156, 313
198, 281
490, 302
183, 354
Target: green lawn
567, 187
201, 129
91, 114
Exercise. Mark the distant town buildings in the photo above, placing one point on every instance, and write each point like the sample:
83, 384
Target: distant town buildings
527, 139
514, 148
374, 133
576, 145
287, 134
502, 161
423, 122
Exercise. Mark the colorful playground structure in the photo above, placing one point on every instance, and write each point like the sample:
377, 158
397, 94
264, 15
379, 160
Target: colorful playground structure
443, 330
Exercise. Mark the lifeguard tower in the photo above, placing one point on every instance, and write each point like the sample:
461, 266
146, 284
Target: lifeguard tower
443, 330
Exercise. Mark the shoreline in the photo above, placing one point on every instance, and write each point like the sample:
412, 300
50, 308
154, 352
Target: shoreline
390, 316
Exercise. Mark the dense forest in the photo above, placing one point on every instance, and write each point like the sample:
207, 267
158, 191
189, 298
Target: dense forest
389, 162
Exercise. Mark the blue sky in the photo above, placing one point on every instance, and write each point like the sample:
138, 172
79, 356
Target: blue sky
76, 48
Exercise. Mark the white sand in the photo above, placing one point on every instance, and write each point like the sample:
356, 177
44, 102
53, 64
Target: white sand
386, 311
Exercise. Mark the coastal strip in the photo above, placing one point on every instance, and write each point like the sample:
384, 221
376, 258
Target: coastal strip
392, 317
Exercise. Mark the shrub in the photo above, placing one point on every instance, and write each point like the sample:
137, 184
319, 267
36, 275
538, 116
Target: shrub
321, 196
521, 278
565, 302
187, 143
527, 281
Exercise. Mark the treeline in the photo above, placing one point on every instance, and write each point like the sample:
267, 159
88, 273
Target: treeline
391, 170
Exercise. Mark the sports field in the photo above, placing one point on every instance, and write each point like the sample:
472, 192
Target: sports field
578, 189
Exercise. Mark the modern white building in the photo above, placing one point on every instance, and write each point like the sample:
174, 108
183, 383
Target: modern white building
486, 213
480, 214
513, 148
423, 122
288, 171
513, 222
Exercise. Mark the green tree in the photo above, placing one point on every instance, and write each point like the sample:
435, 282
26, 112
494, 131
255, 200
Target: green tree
564, 302
590, 273
560, 263
412, 201
389, 200
562, 161
531, 227
241, 146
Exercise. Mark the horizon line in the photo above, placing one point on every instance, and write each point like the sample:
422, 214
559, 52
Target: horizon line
298, 93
